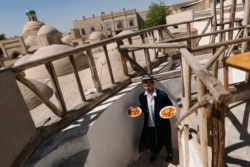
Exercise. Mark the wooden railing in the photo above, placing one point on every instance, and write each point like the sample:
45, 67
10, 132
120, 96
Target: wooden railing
209, 100
60, 108
209, 88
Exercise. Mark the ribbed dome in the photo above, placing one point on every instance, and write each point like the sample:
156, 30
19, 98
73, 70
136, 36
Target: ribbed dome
31, 28
46, 29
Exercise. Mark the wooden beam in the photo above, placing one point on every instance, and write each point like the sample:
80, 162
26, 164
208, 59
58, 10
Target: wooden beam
94, 72
204, 100
154, 45
40, 95
77, 77
108, 64
202, 119
240, 92
219, 44
219, 92
56, 86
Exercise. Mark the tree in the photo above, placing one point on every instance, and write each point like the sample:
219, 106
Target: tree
2, 36
156, 15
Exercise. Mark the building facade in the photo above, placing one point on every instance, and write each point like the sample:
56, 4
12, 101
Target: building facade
110, 24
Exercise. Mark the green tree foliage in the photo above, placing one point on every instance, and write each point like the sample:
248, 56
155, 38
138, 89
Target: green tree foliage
156, 15
2, 36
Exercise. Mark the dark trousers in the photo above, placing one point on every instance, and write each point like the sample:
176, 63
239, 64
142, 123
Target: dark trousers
153, 144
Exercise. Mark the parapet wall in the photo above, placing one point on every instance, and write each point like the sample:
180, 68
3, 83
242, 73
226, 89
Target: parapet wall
16, 125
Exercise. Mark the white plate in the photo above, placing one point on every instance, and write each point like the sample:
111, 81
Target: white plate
166, 110
134, 111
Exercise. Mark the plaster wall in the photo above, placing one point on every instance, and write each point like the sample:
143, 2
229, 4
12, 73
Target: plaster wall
114, 136
180, 17
16, 125
13, 45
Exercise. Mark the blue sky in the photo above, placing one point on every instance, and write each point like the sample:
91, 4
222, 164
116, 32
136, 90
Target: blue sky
62, 13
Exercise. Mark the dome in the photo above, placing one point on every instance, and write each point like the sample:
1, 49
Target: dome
96, 35
48, 51
62, 66
31, 28
66, 39
32, 43
30, 12
46, 29
31, 99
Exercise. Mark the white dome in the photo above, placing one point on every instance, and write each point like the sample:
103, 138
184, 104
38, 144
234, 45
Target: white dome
96, 35
32, 43
46, 29
31, 28
66, 39
62, 66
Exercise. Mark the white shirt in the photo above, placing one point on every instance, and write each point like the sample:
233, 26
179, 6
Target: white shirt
151, 107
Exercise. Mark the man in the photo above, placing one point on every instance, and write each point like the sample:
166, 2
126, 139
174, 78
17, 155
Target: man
156, 132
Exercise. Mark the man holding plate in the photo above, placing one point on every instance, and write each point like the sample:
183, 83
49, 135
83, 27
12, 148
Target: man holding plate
156, 131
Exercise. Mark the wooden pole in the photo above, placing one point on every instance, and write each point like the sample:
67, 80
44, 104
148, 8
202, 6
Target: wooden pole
37, 91
204, 100
169, 33
202, 125
189, 33
132, 61
78, 80
56, 86
202, 32
232, 19
160, 32
221, 36
148, 61
214, 29
218, 134
245, 23
153, 42
124, 64
214, 86
94, 72
142, 38
214, 19
187, 83
131, 43
108, 64
186, 145
180, 145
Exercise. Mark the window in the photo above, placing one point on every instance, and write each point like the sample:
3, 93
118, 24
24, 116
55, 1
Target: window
131, 22
108, 26
83, 31
92, 28
119, 24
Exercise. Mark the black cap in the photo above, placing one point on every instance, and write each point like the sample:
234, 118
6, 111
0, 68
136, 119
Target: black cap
147, 78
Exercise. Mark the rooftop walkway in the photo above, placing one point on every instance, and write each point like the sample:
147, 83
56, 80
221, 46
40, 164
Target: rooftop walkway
74, 142
237, 135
